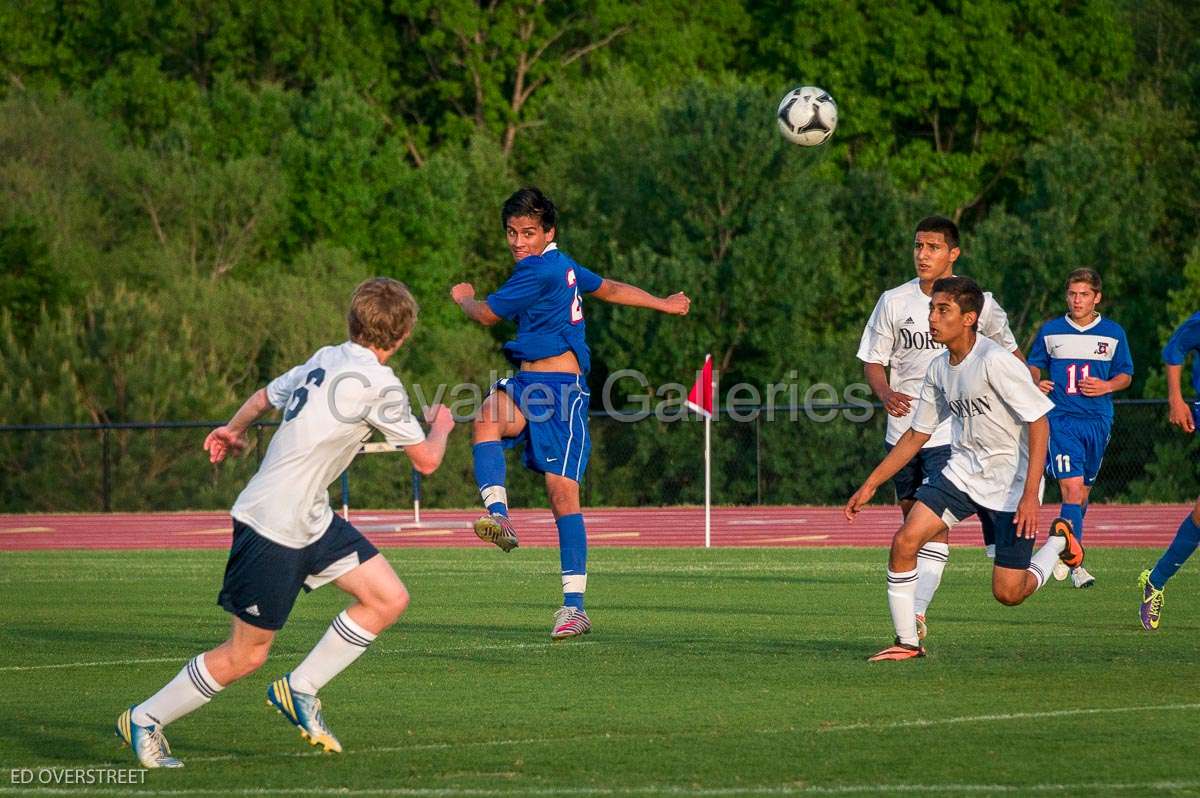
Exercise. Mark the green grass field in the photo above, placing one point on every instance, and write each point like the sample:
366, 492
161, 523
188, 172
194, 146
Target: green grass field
712, 673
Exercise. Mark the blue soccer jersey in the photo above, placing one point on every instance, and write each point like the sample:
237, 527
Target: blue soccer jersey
1071, 354
1184, 340
544, 296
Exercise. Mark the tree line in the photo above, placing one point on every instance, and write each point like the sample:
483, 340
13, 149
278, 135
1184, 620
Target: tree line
190, 191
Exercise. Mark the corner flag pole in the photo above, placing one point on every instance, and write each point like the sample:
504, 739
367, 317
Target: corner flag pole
702, 399
707, 482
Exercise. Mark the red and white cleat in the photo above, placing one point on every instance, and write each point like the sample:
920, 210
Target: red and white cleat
570, 622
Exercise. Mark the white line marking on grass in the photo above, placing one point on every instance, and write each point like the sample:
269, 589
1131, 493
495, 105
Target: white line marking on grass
56, 666
1054, 713
643, 789
548, 645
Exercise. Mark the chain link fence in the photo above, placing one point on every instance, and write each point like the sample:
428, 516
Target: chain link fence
786, 456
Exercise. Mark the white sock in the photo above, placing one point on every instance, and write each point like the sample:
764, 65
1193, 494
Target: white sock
931, 561
344, 642
902, 590
1044, 558
192, 688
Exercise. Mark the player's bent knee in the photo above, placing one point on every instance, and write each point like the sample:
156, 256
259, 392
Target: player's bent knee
395, 602
248, 659
1008, 595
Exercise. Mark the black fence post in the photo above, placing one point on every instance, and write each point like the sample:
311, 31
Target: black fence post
105, 473
758, 455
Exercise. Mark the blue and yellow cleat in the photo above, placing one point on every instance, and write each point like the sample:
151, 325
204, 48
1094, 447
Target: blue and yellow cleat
148, 743
304, 711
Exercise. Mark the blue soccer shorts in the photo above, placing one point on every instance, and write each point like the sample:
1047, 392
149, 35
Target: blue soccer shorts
555, 406
1077, 447
263, 578
924, 466
953, 505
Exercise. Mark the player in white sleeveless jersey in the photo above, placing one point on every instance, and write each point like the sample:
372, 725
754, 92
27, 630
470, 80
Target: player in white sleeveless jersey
998, 437
897, 336
285, 535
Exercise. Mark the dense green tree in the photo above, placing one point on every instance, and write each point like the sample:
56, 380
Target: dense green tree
947, 95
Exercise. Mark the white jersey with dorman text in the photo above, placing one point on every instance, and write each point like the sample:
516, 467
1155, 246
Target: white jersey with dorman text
989, 399
330, 405
897, 335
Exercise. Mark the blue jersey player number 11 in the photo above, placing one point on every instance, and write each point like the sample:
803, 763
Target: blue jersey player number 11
1079, 360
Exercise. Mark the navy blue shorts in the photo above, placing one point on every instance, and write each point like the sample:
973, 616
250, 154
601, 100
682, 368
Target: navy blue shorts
925, 466
555, 406
927, 463
946, 500
1077, 447
263, 578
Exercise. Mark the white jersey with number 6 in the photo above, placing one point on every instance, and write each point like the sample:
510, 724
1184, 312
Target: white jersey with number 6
989, 399
897, 335
330, 405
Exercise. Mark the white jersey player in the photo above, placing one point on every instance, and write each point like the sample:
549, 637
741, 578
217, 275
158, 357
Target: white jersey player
285, 535
897, 337
998, 442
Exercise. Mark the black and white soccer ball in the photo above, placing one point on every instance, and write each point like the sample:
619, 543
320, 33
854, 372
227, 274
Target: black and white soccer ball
807, 116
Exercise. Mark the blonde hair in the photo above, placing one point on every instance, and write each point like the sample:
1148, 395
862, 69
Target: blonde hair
382, 312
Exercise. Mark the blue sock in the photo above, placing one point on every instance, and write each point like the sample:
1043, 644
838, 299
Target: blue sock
572, 554
489, 476
1073, 513
1177, 553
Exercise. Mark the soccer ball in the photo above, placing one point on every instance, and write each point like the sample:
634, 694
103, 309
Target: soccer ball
807, 116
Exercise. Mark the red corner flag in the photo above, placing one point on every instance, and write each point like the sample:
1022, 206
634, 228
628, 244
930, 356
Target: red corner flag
700, 398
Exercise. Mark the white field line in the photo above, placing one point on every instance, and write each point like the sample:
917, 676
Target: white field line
549, 645
640, 789
1052, 713
438, 746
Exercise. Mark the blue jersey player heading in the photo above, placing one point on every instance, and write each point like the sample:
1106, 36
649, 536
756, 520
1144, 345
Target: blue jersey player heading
1087, 358
545, 404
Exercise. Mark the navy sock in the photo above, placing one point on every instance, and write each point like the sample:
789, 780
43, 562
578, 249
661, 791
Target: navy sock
1073, 513
489, 476
572, 555
1177, 553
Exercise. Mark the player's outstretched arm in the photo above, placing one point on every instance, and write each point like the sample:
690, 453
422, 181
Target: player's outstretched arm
905, 449
619, 293
463, 295
427, 455
1027, 509
230, 440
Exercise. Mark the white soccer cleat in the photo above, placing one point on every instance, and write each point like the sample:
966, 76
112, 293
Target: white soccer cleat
1061, 571
148, 743
1081, 578
922, 628
570, 622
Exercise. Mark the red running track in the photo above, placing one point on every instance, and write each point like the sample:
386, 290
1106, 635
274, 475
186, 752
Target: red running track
1107, 525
